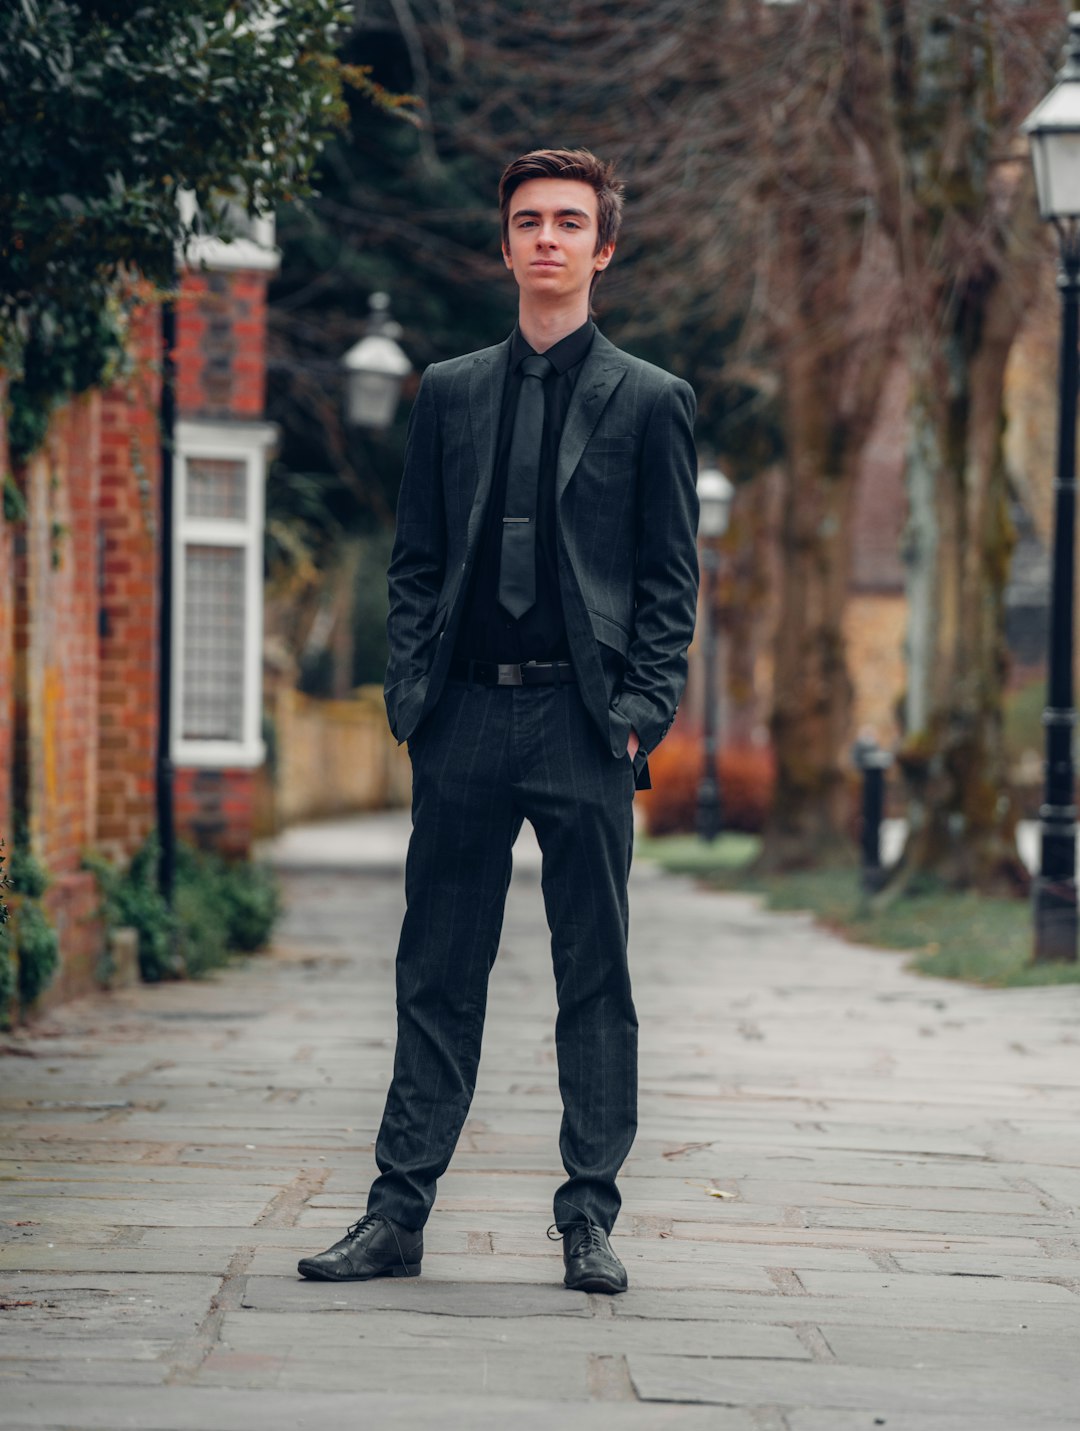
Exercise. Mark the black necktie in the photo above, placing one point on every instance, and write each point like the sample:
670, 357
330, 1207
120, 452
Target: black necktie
517, 565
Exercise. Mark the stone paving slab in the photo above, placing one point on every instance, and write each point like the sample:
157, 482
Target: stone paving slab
882, 1390
947, 1224
442, 1297
284, 1322
896, 1242
836, 1420
960, 1263
193, 1408
149, 1210
794, 1233
961, 1291
951, 1351
1035, 1315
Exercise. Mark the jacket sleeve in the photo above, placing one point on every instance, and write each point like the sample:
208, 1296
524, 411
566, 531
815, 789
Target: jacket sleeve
666, 568
419, 555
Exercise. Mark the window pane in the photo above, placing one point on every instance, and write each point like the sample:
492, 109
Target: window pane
213, 679
216, 487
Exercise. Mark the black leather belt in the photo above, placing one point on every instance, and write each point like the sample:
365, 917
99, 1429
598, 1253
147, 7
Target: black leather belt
529, 673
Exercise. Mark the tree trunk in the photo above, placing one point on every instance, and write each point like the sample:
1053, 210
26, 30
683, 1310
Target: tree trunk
941, 94
836, 354
812, 693
962, 827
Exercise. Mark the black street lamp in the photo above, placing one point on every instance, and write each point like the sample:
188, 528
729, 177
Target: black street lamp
375, 370
715, 494
1054, 131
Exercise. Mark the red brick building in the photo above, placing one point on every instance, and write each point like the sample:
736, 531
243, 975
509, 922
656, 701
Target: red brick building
80, 601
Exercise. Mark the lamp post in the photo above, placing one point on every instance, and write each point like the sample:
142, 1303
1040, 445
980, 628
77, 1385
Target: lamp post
375, 368
715, 495
1053, 128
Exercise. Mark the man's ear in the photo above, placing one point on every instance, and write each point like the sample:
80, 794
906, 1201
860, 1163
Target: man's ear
506, 257
603, 257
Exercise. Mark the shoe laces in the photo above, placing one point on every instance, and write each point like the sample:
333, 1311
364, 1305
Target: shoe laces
369, 1219
591, 1235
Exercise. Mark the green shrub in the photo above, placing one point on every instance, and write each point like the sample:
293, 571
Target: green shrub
131, 897
253, 903
28, 876
36, 946
218, 907
7, 978
38, 949
5, 883
202, 926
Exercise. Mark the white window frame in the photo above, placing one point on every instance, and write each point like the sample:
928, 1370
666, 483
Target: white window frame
259, 251
249, 442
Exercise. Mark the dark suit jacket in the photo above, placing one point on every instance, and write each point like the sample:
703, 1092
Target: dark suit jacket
627, 528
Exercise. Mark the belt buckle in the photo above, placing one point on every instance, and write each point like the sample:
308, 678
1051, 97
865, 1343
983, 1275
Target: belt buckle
510, 675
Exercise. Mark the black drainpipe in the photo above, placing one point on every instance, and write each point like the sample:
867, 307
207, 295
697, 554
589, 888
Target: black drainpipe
167, 417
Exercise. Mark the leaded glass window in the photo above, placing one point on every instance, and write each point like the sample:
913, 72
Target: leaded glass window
216, 487
214, 634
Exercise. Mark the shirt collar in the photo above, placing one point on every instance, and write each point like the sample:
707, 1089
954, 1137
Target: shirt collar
563, 355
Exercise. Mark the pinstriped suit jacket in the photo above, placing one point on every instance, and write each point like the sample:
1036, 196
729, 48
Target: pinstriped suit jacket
626, 518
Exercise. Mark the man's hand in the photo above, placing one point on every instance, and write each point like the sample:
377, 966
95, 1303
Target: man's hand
632, 744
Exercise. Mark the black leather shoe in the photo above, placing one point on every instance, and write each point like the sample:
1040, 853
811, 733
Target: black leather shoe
591, 1266
372, 1247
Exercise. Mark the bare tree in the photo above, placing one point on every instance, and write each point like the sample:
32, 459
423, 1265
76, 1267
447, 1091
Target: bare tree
939, 103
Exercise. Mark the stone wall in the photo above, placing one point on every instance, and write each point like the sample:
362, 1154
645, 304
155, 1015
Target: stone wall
334, 757
875, 624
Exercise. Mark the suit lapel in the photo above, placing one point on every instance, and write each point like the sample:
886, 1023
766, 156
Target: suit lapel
602, 372
486, 382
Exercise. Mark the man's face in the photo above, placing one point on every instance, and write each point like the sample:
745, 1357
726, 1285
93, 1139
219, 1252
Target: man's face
552, 238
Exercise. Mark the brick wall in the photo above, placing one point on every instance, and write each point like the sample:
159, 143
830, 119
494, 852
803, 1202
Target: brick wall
129, 516
221, 345
79, 616
215, 809
221, 375
55, 677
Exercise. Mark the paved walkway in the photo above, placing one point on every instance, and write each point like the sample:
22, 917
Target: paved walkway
850, 1205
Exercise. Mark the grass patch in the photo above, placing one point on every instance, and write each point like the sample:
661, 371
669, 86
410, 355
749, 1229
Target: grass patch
687, 854
949, 935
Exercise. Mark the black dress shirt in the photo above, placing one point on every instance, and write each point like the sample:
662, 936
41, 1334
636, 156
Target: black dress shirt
487, 631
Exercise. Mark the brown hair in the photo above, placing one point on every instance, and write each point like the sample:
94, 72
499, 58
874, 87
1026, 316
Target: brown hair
567, 164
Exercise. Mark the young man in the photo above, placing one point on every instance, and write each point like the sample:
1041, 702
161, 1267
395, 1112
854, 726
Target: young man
543, 589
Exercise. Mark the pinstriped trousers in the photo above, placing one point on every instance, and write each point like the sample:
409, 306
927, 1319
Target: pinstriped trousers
485, 759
